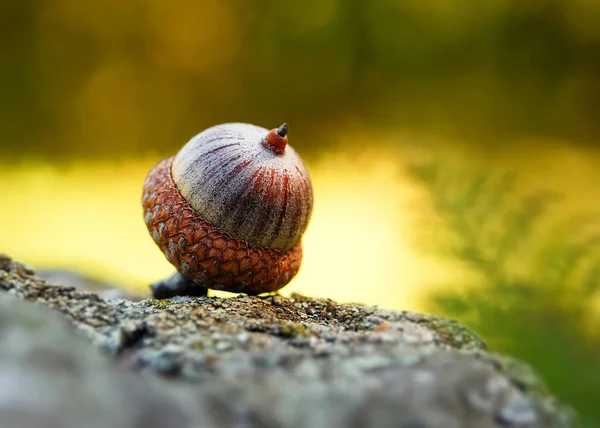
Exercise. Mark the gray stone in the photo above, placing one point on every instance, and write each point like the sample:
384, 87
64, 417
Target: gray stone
265, 362
50, 377
85, 283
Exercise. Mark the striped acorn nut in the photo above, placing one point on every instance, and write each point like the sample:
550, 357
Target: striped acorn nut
230, 208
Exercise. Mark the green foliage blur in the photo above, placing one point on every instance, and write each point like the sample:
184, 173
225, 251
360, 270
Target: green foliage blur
535, 279
109, 78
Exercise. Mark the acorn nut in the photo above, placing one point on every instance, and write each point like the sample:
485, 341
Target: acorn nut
229, 210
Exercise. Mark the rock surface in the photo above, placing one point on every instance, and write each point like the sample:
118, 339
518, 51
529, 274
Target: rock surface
248, 361
83, 283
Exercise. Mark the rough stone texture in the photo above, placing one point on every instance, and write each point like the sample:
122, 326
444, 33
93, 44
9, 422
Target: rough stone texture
254, 362
81, 282
51, 378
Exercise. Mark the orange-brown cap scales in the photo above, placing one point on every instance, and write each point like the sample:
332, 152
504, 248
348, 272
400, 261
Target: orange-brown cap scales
229, 210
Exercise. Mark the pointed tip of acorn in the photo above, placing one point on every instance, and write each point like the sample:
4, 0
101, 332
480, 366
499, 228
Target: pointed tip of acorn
276, 140
282, 130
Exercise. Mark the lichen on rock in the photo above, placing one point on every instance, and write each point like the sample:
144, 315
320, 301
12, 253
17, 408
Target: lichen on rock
297, 361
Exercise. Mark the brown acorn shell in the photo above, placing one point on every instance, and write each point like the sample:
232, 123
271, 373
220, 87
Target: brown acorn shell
204, 253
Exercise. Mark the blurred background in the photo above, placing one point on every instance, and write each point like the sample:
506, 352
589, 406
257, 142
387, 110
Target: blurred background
453, 147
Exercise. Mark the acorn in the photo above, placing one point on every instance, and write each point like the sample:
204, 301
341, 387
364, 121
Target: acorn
229, 211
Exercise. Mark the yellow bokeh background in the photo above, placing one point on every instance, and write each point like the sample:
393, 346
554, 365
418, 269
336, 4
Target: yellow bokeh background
87, 217
362, 245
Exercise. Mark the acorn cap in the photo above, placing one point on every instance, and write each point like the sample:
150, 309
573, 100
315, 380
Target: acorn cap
248, 182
